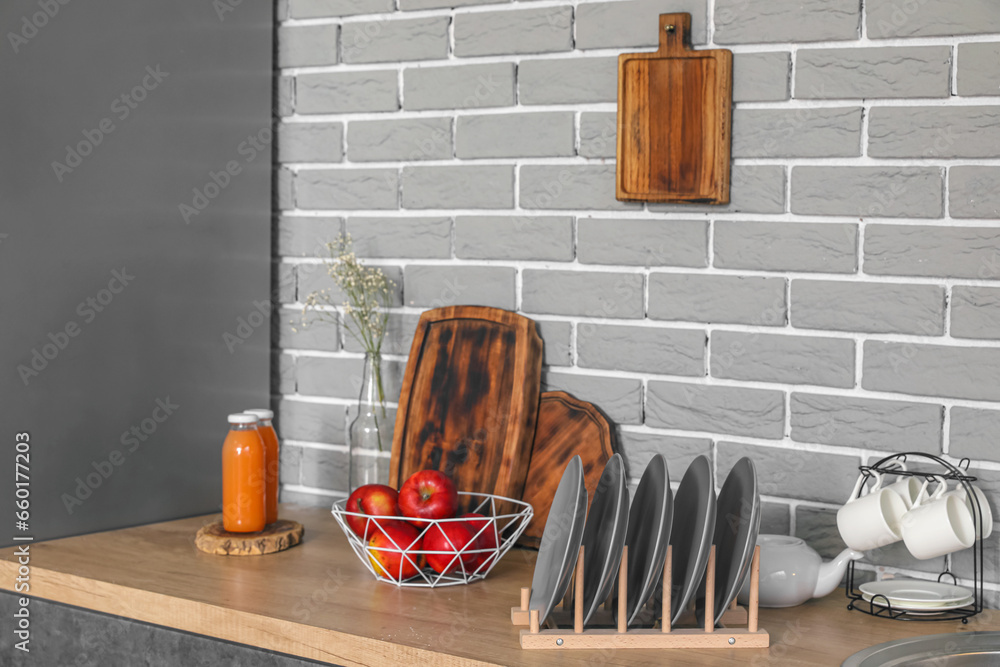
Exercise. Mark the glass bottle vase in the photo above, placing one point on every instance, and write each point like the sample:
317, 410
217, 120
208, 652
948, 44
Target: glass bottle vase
369, 432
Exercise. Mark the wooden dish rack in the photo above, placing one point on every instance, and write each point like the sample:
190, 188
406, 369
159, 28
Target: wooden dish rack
621, 636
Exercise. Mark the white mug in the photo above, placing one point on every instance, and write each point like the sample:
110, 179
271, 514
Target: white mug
984, 507
872, 520
938, 524
909, 488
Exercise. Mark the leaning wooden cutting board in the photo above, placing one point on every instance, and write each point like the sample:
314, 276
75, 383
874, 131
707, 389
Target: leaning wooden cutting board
566, 427
674, 120
469, 399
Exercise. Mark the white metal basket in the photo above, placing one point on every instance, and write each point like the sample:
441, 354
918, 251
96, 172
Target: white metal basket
506, 528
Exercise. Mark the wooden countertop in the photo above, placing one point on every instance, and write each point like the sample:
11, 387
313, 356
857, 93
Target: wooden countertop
318, 601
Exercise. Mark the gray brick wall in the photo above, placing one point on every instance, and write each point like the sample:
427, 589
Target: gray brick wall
844, 304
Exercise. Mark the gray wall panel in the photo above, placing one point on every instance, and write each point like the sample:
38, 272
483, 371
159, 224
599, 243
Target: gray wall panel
118, 208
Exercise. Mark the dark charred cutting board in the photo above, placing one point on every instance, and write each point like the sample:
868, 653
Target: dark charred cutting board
566, 427
674, 120
469, 399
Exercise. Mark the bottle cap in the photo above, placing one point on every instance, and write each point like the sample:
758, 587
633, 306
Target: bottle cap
261, 413
242, 418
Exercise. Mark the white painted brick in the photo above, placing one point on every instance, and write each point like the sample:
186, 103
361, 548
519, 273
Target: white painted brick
313, 422
929, 132
392, 40
731, 410
978, 73
926, 18
793, 473
643, 242
641, 349
761, 77
841, 305
893, 426
464, 186
532, 30
932, 370
972, 192
347, 188
436, 4
598, 133
834, 132
780, 358
905, 71
913, 192
439, 286
747, 21
514, 237
717, 299
786, 246
548, 134
401, 237
614, 295
310, 142
620, 399
635, 23
639, 448
341, 92
458, 87
409, 139
931, 250
307, 9
316, 334
570, 186
974, 433
975, 312
557, 342
306, 236
567, 80
753, 189
305, 45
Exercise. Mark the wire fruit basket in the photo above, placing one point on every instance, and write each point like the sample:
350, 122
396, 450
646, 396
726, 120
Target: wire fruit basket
504, 520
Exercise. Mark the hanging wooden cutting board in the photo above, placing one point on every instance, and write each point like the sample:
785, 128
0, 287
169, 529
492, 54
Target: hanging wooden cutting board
469, 399
566, 427
674, 120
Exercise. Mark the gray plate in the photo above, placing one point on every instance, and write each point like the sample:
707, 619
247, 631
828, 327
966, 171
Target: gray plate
649, 525
691, 536
560, 541
604, 536
736, 528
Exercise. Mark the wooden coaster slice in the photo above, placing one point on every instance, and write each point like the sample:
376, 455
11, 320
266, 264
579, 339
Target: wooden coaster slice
280, 535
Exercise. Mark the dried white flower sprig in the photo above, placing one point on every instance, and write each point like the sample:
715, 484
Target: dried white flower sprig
367, 293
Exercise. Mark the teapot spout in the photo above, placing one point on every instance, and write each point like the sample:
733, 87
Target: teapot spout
832, 571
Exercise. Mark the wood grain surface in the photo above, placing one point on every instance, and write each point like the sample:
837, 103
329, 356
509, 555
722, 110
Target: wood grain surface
566, 427
278, 536
318, 601
674, 120
469, 399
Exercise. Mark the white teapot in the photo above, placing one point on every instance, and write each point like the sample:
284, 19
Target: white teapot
791, 572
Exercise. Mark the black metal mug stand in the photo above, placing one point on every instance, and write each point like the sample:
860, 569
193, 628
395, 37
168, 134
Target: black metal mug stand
957, 473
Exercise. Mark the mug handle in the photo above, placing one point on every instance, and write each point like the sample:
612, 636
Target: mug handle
862, 479
938, 492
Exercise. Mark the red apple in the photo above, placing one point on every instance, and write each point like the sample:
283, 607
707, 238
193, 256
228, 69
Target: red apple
450, 537
386, 546
371, 500
486, 538
428, 494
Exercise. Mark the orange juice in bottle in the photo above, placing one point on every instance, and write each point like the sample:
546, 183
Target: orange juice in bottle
244, 509
271, 462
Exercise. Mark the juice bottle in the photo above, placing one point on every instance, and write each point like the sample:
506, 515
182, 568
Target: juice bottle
243, 482
271, 461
